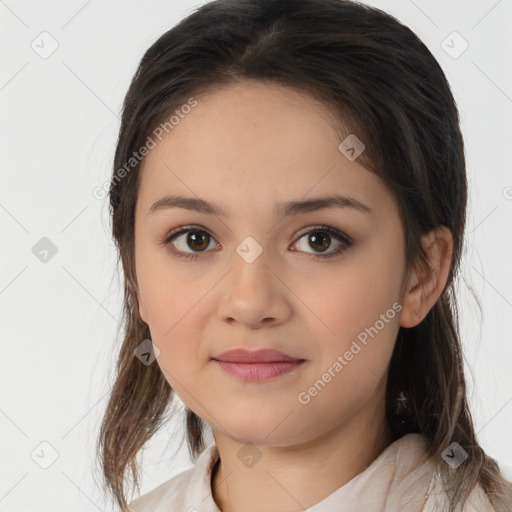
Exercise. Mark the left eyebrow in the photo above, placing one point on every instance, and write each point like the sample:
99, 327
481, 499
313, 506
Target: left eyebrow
280, 209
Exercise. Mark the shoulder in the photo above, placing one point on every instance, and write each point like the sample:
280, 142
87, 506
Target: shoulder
414, 468
437, 501
167, 496
190, 486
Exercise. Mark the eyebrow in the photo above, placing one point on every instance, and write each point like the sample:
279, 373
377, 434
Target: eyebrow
286, 208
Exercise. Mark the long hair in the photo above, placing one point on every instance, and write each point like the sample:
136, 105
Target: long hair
382, 83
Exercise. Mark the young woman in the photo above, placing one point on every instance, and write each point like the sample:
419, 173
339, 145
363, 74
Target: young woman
289, 201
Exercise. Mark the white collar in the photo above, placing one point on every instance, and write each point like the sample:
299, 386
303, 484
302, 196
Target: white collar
400, 478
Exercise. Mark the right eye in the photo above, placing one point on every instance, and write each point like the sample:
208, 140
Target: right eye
197, 239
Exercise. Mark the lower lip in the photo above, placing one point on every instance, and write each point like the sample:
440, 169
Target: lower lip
256, 372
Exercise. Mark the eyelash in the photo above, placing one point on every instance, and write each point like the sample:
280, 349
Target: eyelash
346, 241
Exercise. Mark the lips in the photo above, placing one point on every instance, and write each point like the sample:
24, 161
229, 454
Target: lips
256, 365
266, 355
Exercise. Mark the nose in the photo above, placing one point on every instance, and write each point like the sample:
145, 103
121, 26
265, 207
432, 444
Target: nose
254, 294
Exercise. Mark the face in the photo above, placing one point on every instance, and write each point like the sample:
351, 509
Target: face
321, 285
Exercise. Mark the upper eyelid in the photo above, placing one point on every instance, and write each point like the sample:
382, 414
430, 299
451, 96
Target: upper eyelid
323, 227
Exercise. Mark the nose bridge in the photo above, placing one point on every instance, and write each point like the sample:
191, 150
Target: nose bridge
252, 292
250, 268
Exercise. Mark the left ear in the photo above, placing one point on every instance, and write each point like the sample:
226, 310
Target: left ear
426, 285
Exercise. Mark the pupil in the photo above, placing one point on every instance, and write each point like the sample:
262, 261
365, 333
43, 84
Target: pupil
194, 237
322, 238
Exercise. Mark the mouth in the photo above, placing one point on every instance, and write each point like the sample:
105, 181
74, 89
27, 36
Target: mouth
256, 366
264, 355
255, 372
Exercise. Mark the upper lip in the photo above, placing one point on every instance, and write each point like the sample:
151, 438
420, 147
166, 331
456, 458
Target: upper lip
264, 355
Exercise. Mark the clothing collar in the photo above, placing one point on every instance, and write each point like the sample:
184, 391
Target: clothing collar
398, 479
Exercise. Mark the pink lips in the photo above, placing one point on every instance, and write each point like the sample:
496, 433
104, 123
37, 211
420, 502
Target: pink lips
257, 365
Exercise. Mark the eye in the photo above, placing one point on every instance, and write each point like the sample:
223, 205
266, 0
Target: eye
319, 238
180, 240
196, 239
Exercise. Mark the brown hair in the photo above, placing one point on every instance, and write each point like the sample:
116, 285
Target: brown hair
377, 76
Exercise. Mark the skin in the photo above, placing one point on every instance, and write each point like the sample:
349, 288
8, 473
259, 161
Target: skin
246, 147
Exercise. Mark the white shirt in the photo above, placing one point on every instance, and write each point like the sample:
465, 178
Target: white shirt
400, 478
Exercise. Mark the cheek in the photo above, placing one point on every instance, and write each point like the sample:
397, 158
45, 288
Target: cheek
353, 354
357, 311
175, 303
350, 299
174, 316
168, 291
328, 403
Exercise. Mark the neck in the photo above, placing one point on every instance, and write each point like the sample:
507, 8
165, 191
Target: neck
281, 480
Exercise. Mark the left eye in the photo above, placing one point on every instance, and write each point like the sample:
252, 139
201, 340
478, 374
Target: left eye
320, 237
199, 240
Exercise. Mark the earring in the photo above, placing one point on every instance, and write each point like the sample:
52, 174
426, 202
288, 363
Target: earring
418, 315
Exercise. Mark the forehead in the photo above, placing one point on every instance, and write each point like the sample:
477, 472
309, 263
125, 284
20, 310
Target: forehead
251, 143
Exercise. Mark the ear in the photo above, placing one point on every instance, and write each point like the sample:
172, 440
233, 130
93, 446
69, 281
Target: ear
424, 287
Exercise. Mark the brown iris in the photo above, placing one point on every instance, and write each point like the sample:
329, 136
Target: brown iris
321, 238
195, 237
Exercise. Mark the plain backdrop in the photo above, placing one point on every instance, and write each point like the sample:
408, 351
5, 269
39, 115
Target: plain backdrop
59, 122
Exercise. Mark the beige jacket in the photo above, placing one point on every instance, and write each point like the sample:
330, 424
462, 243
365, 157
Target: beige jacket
400, 479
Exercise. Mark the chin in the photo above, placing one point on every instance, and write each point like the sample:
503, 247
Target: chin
262, 434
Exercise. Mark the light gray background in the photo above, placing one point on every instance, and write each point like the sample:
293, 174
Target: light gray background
58, 319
